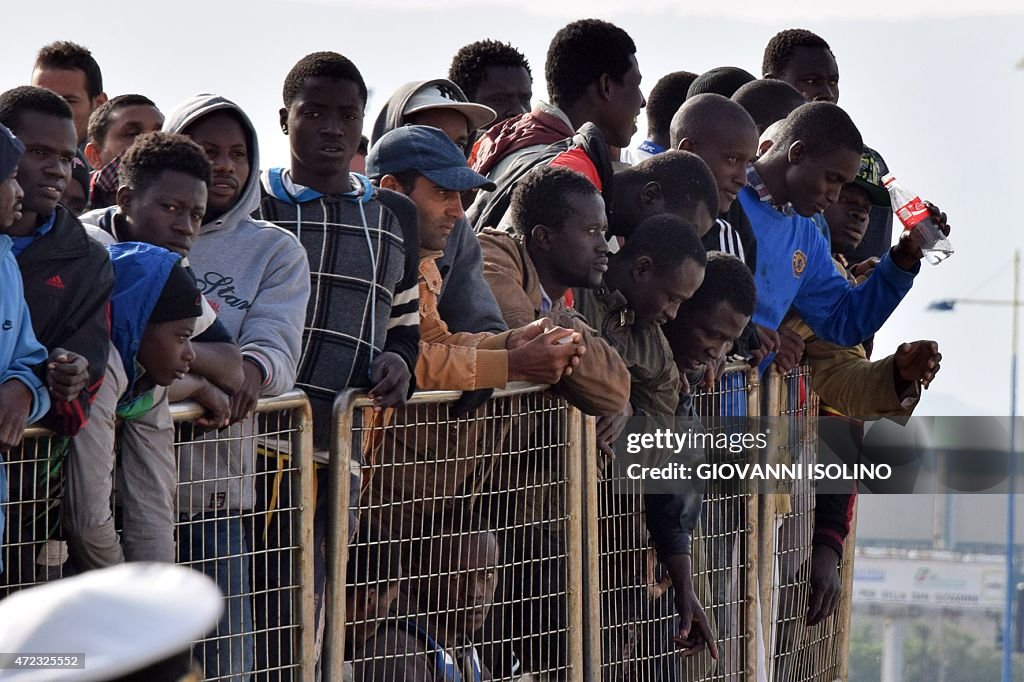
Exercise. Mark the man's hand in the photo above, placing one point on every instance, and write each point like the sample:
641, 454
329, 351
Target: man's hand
546, 357
520, 336
769, 344
15, 404
864, 268
791, 349
390, 378
66, 374
918, 361
217, 404
825, 585
907, 251
244, 401
609, 428
694, 630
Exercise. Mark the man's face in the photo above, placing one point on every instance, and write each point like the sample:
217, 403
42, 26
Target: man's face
10, 201
45, 167
656, 296
74, 197
579, 245
813, 181
704, 336
467, 592
223, 139
451, 122
624, 107
438, 210
165, 350
127, 123
506, 89
168, 213
71, 84
727, 150
848, 218
324, 123
814, 73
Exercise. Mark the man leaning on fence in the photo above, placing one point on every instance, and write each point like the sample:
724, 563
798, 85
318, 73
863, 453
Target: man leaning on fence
424, 164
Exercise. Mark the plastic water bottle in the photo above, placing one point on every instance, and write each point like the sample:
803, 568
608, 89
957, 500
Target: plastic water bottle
916, 219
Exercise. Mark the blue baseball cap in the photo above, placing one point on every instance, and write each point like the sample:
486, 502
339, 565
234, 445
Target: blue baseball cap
427, 151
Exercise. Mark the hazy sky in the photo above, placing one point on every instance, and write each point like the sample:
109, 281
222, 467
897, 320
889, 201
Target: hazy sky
934, 89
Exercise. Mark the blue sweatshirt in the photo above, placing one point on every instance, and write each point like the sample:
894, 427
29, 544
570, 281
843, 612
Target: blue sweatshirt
794, 268
20, 352
140, 273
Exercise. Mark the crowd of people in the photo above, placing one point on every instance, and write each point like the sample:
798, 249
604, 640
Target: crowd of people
470, 241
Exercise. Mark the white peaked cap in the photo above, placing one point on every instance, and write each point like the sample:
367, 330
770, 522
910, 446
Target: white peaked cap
122, 618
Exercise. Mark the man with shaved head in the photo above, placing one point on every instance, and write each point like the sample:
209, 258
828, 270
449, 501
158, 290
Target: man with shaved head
768, 101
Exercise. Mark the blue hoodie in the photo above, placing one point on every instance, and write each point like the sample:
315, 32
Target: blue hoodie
140, 273
19, 349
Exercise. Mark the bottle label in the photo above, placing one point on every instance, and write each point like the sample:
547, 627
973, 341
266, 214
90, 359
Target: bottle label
911, 213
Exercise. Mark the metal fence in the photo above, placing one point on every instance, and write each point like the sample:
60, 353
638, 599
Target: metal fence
245, 519
798, 653
494, 530
482, 512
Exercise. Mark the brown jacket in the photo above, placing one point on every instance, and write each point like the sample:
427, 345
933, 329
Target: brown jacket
655, 378
847, 382
600, 385
459, 361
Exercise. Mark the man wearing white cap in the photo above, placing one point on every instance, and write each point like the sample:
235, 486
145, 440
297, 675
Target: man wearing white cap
133, 621
437, 103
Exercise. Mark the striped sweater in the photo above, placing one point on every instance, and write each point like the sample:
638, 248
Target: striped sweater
356, 243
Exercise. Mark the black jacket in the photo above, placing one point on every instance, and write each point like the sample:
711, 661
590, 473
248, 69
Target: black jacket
68, 279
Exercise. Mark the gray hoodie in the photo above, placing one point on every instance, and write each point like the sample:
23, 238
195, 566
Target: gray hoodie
466, 303
256, 276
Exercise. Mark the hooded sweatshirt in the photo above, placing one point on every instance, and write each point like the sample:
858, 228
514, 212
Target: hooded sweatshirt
465, 301
20, 353
140, 273
255, 275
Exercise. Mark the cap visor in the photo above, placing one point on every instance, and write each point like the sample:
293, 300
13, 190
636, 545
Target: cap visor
879, 195
459, 179
478, 115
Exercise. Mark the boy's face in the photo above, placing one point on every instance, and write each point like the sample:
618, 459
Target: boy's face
126, 123
506, 89
10, 201
45, 167
74, 198
466, 593
579, 245
165, 350
814, 73
452, 123
226, 144
727, 151
72, 85
656, 296
324, 124
848, 218
438, 210
813, 181
623, 108
167, 213
706, 336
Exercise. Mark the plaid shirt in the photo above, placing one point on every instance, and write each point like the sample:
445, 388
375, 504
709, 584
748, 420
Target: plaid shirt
346, 327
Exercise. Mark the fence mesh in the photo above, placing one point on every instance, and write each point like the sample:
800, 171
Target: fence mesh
468, 539
245, 519
800, 653
637, 616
